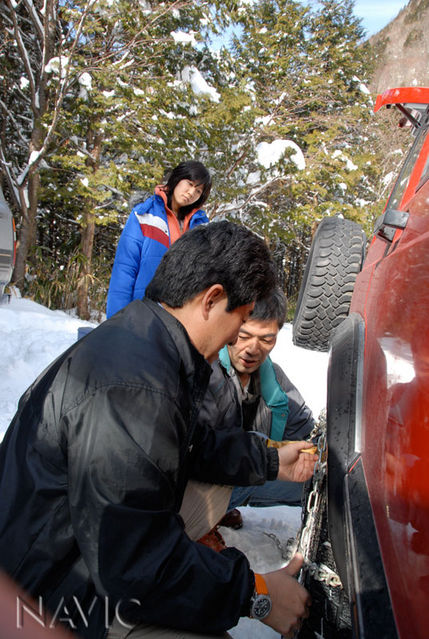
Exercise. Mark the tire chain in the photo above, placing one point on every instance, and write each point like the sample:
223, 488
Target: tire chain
306, 535
319, 572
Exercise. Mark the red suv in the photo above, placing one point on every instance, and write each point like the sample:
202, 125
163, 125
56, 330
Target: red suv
374, 531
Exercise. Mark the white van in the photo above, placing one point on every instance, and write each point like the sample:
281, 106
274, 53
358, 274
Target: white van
7, 245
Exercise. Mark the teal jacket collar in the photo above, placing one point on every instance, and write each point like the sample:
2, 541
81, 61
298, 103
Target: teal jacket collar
272, 393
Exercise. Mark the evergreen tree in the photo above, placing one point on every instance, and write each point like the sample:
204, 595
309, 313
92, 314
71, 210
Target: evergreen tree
102, 98
307, 68
124, 100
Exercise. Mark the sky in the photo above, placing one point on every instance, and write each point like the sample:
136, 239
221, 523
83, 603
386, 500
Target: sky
376, 14
32, 336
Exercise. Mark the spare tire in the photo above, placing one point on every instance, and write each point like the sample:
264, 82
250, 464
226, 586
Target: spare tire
334, 261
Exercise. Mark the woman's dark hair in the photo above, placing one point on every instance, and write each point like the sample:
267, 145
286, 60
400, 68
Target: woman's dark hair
216, 253
194, 171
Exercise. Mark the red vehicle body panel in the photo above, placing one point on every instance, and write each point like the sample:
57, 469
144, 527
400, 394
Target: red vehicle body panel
402, 95
392, 295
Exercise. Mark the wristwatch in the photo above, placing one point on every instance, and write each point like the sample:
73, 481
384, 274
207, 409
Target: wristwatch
260, 602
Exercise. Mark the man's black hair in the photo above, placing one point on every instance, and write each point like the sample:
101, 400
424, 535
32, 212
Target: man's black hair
217, 253
271, 308
194, 171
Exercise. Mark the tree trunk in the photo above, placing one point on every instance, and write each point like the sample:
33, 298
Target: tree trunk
94, 142
87, 243
28, 195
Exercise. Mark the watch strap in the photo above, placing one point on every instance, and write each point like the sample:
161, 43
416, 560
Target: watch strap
260, 585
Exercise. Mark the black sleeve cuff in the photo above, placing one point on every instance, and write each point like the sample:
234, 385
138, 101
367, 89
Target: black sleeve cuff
250, 589
272, 463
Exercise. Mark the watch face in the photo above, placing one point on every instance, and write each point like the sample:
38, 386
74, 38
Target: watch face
261, 606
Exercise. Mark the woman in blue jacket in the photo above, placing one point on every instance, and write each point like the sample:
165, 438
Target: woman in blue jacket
151, 229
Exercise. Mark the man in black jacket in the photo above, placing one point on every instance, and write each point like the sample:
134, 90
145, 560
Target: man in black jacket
96, 462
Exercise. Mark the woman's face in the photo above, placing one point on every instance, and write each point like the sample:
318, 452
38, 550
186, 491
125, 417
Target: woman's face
186, 192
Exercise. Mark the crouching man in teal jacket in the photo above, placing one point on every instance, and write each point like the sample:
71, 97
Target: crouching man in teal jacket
248, 390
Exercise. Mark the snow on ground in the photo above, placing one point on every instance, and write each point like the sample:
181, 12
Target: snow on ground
264, 538
32, 336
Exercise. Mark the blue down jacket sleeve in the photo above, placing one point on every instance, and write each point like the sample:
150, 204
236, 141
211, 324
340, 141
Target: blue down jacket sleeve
137, 255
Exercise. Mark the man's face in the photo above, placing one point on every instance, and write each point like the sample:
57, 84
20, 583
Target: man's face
256, 339
225, 326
